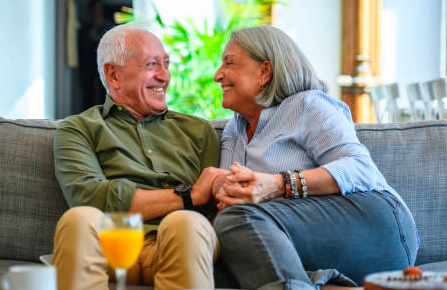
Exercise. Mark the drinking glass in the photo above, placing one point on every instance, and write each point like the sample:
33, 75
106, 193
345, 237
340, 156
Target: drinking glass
121, 237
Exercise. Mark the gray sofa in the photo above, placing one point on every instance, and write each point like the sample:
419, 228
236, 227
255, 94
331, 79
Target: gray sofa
412, 156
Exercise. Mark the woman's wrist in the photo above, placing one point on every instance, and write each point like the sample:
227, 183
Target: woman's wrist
271, 185
279, 181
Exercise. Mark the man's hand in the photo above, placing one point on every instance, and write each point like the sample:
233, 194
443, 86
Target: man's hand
246, 186
202, 189
219, 181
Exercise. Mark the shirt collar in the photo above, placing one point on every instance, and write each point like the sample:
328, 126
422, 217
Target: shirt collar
110, 106
266, 115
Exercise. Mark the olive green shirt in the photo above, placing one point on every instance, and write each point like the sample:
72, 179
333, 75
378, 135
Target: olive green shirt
104, 154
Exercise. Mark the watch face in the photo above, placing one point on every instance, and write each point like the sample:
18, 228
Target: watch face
183, 187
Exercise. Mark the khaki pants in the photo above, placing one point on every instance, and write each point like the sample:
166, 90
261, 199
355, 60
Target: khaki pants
179, 256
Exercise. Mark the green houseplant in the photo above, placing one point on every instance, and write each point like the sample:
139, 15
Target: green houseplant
196, 54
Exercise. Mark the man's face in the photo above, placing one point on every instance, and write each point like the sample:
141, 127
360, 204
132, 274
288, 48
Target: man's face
142, 82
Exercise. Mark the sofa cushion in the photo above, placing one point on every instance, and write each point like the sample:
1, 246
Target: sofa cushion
413, 158
219, 125
31, 201
434, 267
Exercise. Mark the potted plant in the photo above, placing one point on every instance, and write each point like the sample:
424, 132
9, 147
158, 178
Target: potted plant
195, 54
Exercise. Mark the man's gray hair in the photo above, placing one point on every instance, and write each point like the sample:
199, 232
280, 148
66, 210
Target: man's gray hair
292, 72
112, 46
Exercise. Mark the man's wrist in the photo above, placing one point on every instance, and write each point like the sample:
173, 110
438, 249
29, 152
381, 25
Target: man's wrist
184, 191
195, 196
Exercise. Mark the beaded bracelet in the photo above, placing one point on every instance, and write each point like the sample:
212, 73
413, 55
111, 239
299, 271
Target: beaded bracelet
295, 193
303, 184
287, 184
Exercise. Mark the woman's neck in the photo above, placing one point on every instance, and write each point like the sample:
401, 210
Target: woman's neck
252, 123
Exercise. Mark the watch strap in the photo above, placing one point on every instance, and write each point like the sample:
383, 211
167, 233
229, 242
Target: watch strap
184, 190
187, 201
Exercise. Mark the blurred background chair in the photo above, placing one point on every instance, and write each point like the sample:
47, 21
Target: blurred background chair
387, 103
419, 105
400, 112
437, 93
379, 101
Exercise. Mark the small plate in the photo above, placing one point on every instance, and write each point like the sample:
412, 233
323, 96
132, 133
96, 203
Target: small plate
46, 259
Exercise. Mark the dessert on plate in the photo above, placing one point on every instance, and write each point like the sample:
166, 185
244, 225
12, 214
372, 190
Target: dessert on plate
412, 278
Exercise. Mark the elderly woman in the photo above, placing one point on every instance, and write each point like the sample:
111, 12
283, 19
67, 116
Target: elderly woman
304, 204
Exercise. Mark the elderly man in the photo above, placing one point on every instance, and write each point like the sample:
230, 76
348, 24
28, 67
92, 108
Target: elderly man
132, 154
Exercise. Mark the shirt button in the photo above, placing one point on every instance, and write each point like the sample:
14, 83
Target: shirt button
119, 108
149, 151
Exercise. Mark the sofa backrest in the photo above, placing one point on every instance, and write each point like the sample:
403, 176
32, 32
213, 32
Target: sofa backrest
413, 158
31, 201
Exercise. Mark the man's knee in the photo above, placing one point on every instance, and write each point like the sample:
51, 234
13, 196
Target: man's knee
186, 222
79, 219
188, 236
190, 230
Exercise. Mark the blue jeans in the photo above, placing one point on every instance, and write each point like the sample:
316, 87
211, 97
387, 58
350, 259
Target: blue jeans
271, 245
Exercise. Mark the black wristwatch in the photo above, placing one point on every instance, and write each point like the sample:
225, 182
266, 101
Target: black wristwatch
184, 190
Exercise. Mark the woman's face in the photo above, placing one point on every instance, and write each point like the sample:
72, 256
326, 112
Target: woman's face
240, 76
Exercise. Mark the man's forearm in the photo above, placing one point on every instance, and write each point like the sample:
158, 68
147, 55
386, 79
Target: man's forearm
159, 202
155, 203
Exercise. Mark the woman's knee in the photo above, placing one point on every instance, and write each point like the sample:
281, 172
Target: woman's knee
235, 216
408, 233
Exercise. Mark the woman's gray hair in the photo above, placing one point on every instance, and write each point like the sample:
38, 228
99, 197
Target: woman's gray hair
292, 72
112, 46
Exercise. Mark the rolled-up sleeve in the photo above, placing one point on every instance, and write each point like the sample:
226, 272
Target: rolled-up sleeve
333, 144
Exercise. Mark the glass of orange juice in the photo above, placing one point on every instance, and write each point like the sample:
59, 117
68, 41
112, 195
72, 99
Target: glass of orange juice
121, 237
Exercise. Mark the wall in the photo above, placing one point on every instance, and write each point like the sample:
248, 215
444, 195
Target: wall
411, 45
413, 38
196, 10
413, 32
27, 59
316, 28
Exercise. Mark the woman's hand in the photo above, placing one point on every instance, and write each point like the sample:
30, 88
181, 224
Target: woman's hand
243, 185
219, 181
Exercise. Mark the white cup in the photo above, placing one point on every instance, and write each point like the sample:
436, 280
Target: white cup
29, 277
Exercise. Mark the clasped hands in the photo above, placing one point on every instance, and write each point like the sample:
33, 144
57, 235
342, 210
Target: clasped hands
240, 185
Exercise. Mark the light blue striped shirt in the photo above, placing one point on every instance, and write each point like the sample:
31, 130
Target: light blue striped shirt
307, 130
